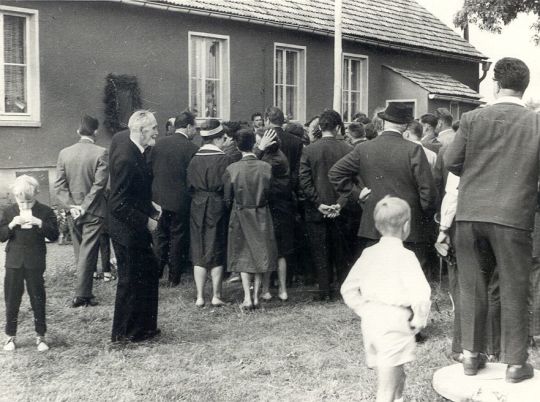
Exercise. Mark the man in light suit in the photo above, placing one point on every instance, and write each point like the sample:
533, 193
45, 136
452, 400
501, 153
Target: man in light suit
496, 154
389, 165
133, 217
81, 178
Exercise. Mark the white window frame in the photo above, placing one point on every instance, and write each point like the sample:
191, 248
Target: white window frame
364, 90
455, 106
32, 117
224, 73
302, 73
405, 100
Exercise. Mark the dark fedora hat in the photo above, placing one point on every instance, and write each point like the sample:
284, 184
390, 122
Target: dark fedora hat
88, 125
397, 112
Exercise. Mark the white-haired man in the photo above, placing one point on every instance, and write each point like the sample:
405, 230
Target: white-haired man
133, 218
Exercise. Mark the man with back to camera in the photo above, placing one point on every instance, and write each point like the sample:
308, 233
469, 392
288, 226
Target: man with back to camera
446, 132
82, 173
496, 154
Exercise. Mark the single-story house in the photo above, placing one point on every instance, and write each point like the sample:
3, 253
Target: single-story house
223, 59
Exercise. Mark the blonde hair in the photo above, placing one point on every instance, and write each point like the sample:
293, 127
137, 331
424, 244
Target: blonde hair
391, 214
139, 118
25, 186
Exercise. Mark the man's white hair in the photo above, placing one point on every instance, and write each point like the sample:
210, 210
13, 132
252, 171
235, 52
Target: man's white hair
26, 186
139, 118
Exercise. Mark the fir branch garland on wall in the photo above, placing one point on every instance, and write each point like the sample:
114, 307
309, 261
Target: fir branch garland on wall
122, 97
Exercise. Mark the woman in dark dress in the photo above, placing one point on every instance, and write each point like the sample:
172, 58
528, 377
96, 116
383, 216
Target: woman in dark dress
209, 214
281, 208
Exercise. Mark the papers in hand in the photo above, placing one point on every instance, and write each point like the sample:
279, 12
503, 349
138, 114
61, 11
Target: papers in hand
26, 214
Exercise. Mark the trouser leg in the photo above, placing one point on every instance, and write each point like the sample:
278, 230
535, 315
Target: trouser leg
317, 232
179, 251
90, 227
35, 286
163, 240
340, 256
105, 251
453, 285
493, 329
76, 235
13, 291
534, 298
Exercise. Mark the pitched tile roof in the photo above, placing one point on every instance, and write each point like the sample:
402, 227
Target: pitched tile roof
437, 83
388, 23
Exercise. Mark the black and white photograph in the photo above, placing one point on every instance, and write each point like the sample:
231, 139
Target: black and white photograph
270, 200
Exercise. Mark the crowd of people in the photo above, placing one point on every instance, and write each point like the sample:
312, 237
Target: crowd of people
309, 203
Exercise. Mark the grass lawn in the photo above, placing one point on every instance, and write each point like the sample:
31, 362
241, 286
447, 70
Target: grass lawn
294, 351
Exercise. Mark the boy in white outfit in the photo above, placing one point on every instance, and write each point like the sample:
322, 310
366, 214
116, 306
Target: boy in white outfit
388, 290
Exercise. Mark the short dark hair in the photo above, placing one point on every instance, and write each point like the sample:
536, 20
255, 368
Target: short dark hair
295, 129
329, 120
444, 115
430, 119
371, 131
358, 117
455, 126
416, 129
168, 124
274, 115
245, 140
184, 119
356, 130
512, 73
255, 115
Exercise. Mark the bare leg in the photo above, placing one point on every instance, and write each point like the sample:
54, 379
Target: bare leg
282, 277
257, 288
199, 274
217, 280
389, 383
266, 286
246, 281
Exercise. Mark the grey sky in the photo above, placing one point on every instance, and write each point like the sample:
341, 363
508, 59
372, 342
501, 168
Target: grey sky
514, 41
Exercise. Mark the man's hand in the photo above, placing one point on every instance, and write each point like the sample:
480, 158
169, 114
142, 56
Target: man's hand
364, 194
157, 211
36, 222
334, 211
324, 209
268, 139
75, 211
443, 237
151, 225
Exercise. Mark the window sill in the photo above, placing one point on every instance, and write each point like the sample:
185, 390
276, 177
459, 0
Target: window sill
20, 123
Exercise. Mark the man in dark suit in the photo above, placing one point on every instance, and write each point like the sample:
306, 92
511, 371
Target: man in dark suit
290, 145
133, 218
325, 226
390, 165
82, 173
496, 154
170, 160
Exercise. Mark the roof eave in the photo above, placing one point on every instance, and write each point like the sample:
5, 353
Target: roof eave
456, 98
364, 40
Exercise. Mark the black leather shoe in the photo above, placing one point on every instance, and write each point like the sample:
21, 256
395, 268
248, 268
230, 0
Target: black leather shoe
471, 365
83, 302
519, 373
90, 302
420, 337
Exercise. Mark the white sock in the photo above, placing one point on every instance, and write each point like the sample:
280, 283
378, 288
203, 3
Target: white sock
468, 353
399, 400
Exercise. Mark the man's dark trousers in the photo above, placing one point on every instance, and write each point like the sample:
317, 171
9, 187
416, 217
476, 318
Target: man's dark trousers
136, 306
484, 249
177, 225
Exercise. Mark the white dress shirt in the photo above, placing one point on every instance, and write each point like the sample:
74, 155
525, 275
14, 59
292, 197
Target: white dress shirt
388, 273
449, 202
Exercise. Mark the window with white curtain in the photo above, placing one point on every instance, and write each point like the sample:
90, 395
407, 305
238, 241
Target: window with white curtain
19, 69
354, 100
289, 80
209, 75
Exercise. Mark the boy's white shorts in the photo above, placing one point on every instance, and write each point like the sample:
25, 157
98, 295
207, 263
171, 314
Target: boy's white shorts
388, 339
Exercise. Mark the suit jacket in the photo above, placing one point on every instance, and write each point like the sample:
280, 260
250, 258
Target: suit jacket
316, 161
170, 159
291, 146
130, 200
389, 165
26, 247
496, 154
82, 173
432, 143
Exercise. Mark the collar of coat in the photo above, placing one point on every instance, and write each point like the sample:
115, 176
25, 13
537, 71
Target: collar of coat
249, 156
209, 149
510, 99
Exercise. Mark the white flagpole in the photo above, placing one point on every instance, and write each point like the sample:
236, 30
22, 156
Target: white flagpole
337, 55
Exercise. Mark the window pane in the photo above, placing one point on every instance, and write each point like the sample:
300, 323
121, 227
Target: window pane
345, 105
279, 66
211, 100
292, 100
355, 103
345, 73
356, 78
196, 57
213, 57
292, 71
14, 39
279, 96
15, 91
196, 95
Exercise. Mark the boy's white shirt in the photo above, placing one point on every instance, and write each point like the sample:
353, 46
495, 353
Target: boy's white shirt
388, 273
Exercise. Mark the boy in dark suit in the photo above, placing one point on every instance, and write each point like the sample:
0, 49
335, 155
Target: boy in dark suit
25, 225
